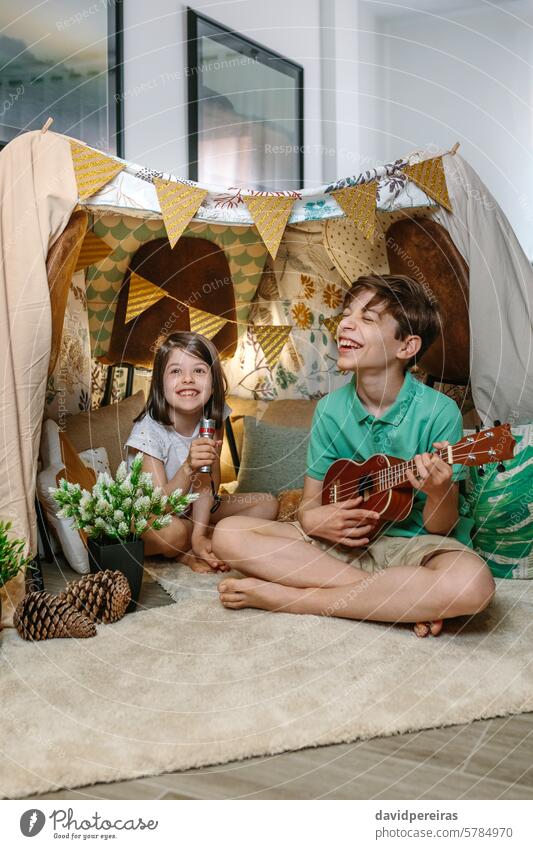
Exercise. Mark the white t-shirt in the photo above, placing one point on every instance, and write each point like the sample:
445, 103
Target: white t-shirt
162, 442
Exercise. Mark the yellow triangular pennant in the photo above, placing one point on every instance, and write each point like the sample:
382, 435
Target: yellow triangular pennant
430, 176
270, 216
272, 339
93, 250
359, 204
332, 322
205, 322
92, 169
142, 294
179, 202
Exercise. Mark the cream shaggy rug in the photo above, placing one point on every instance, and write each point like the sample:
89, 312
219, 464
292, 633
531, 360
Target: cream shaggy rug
193, 684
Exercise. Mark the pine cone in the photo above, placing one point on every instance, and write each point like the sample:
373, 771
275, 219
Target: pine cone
43, 616
103, 596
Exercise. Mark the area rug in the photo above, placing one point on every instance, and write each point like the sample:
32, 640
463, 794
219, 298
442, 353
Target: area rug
192, 684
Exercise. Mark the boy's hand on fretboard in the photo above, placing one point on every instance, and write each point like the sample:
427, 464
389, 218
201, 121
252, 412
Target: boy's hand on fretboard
433, 475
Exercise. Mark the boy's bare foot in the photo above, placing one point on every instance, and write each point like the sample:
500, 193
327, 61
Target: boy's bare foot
422, 629
236, 593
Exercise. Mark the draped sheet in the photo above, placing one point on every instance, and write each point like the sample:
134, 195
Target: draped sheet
501, 297
37, 196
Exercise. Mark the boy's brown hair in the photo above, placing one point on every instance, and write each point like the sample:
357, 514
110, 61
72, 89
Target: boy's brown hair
414, 308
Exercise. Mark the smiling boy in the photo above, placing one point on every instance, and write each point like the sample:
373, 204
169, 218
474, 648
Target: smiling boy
423, 569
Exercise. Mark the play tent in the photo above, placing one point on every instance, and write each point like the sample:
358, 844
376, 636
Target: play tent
101, 256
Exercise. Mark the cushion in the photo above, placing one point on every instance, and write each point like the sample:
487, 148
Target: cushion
298, 412
273, 457
68, 537
501, 504
108, 426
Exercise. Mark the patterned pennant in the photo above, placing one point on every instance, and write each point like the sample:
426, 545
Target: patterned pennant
179, 202
142, 294
92, 169
272, 339
270, 216
205, 322
359, 204
332, 322
430, 176
93, 249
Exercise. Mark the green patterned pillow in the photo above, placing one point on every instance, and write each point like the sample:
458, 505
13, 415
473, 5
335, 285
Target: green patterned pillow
501, 504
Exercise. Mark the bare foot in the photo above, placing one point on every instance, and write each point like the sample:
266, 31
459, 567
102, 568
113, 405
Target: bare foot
196, 563
422, 629
236, 593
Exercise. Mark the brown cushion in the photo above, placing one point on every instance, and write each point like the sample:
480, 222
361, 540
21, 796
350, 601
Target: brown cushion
107, 426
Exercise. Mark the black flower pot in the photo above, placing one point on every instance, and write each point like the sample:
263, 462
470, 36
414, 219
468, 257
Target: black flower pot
127, 557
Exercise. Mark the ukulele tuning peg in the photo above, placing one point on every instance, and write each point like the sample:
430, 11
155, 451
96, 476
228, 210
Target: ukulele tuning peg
497, 422
481, 471
500, 467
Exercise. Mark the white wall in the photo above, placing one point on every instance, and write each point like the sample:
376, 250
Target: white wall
461, 76
155, 82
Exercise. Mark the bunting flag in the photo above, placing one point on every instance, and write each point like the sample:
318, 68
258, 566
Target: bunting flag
332, 323
359, 204
92, 169
272, 339
93, 250
179, 202
270, 215
430, 176
205, 322
142, 294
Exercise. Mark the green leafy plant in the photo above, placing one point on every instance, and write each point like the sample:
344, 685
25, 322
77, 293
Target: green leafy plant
12, 558
122, 509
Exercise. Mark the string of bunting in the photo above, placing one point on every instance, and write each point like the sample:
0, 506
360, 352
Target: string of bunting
180, 201
272, 338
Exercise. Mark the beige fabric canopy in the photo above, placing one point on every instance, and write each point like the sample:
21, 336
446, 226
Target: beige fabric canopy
37, 196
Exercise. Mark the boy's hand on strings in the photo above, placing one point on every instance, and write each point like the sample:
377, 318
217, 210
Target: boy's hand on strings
203, 452
433, 476
345, 522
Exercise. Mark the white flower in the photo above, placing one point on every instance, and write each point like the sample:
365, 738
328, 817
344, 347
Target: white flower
86, 501
126, 504
140, 526
123, 529
104, 479
118, 516
145, 479
141, 505
126, 487
122, 471
100, 523
164, 520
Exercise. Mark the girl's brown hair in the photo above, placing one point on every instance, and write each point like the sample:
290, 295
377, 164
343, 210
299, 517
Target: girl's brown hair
198, 346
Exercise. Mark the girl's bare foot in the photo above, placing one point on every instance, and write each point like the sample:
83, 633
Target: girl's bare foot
422, 629
236, 593
196, 563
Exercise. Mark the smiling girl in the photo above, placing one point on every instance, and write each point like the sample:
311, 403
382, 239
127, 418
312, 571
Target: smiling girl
188, 383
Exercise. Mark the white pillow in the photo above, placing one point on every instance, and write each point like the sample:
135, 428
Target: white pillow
68, 537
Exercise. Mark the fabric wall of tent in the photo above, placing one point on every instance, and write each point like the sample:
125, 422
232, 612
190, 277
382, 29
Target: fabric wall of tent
100, 257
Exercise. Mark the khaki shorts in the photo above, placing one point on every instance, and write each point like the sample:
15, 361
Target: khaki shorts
387, 551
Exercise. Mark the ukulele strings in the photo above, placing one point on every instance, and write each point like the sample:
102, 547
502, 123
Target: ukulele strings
391, 475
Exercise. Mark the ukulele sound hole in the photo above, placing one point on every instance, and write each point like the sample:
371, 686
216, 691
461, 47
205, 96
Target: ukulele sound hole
365, 486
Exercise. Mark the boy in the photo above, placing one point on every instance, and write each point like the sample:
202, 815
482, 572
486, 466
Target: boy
423, 569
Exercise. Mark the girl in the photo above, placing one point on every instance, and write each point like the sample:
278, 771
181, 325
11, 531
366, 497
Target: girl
188, 383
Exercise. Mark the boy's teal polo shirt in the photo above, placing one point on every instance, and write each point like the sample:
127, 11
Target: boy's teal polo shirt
343, 428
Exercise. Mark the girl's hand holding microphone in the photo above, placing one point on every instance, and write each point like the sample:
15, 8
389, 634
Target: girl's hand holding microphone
203, 452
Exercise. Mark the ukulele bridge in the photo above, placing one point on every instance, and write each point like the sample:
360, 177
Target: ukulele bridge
334, 491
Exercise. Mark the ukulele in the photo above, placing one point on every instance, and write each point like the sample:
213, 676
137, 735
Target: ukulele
382, 482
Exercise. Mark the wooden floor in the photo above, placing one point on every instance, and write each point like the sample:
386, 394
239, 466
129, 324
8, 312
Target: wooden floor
489, 759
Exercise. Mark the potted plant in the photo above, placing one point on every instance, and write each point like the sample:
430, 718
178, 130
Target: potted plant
12, 558
116, 514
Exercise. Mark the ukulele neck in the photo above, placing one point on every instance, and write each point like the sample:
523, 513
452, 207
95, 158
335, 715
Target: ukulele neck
396, 475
